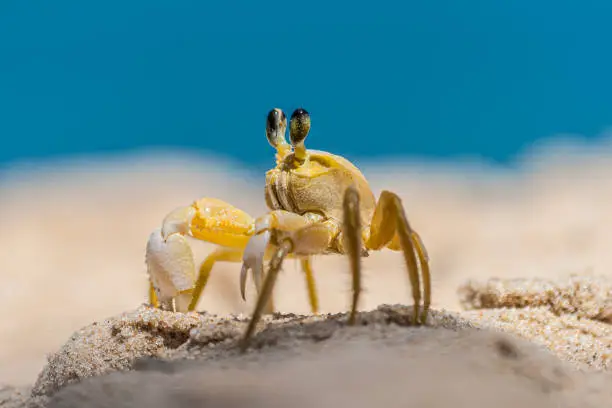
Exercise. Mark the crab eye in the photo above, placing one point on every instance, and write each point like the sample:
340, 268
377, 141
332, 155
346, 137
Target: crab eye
299, 126
276, 126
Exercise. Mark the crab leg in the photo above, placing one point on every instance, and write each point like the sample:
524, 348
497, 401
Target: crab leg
153, 295
266, 290
352, 243
221, 254
310, 285
307, 240
273, 228
390, 227
426, 275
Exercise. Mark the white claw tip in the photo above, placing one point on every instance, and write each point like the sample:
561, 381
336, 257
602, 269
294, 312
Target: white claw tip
253, 258
243, 278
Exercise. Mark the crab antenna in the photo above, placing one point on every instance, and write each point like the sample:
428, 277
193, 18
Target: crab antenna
299, 127
276, 127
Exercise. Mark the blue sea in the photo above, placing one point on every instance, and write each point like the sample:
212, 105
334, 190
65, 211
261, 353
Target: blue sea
436, 79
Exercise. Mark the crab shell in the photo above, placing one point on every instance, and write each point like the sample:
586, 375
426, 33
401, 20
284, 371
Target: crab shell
318, 186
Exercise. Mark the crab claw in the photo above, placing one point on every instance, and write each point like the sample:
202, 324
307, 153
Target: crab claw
171, 268
253, 258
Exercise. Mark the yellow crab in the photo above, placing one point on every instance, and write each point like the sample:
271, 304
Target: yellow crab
319, 203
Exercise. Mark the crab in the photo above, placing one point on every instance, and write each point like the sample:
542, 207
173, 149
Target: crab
319, 204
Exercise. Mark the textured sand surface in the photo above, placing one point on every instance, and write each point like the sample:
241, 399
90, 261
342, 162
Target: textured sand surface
14, 397
319, 360
73, 239
354, 367
570, 317
115, 343
433, 368
486, 349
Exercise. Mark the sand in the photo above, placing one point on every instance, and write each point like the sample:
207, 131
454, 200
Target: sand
150, 357
73, 237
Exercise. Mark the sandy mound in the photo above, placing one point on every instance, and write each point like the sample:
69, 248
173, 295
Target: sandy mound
152, 357
415, 368
117, 343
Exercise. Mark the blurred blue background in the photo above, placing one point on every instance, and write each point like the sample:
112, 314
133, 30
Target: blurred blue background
431, 79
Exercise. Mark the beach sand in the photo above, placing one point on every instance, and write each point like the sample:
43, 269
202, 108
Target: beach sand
73, 237
147, 357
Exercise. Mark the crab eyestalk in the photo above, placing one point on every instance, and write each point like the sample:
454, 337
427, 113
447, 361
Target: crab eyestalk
276, 127
298, 130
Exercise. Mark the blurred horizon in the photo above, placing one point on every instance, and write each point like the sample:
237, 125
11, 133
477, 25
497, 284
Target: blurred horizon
569, 148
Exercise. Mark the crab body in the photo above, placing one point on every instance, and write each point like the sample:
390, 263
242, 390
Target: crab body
317, 187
